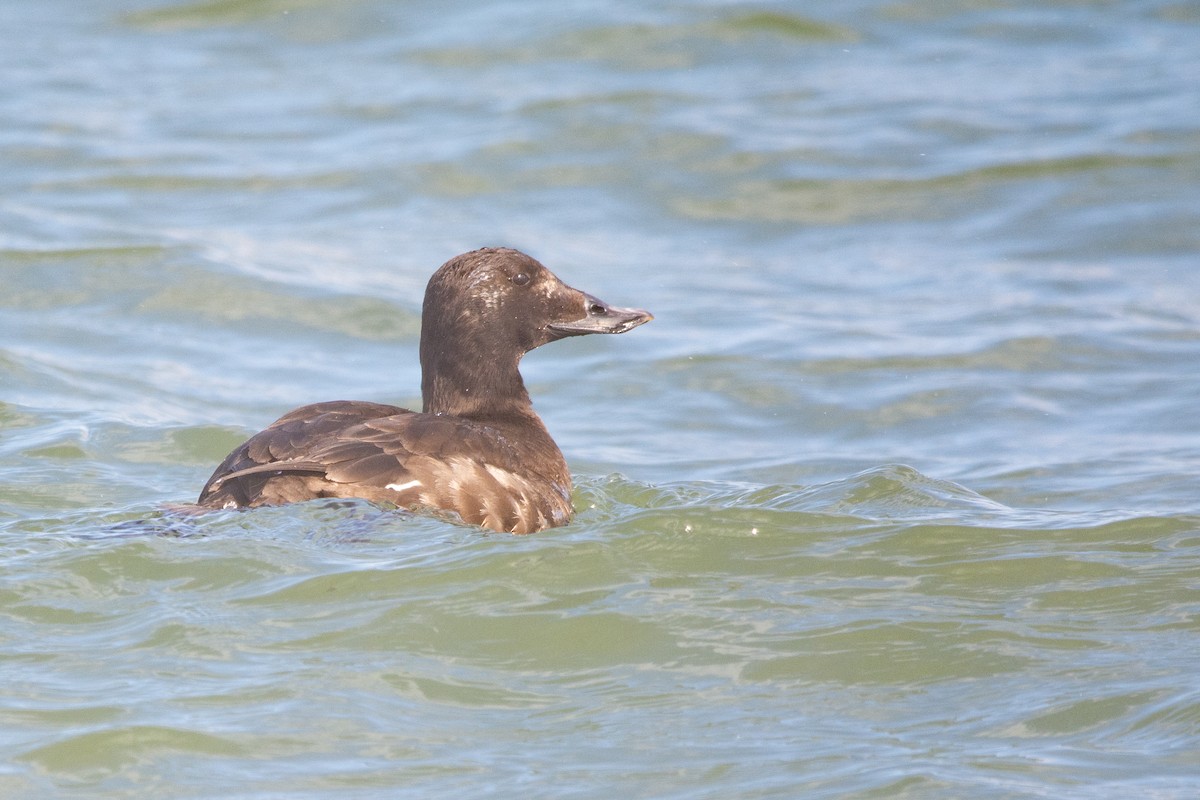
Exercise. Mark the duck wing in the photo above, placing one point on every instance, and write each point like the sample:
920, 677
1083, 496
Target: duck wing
294, 444
389, 454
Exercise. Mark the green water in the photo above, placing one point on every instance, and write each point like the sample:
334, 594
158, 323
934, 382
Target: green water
896, 497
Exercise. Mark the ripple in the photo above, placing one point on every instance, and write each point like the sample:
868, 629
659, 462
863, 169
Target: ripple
208, 13
886, 493
655, 46
850, 201
89, 755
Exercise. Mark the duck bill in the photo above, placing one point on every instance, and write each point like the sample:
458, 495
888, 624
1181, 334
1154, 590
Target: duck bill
600, 317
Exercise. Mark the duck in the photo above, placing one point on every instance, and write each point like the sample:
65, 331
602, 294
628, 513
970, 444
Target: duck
477, 452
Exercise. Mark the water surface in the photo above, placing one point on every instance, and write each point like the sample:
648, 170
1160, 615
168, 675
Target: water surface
895, 498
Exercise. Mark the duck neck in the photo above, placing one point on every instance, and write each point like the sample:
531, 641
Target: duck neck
478, 386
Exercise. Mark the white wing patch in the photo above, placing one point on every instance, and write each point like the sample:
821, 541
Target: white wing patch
506, 478
400, 487
491, 496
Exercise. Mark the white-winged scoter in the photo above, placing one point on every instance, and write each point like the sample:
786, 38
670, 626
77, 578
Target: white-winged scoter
478, 449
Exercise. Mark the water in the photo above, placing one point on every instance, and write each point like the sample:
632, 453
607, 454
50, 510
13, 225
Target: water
896, 497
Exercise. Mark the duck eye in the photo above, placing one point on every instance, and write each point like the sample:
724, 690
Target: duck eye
520, 279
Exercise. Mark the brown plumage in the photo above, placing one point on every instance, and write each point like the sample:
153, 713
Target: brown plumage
478, 450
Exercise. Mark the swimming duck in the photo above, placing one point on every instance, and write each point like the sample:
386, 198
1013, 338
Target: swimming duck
477, 450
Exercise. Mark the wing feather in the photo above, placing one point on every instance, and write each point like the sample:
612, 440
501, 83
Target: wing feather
389, 454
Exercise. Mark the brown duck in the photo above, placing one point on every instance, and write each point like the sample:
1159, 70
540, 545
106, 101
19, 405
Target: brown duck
477, 450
